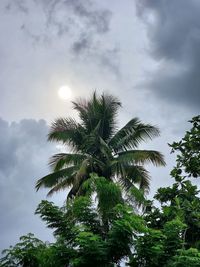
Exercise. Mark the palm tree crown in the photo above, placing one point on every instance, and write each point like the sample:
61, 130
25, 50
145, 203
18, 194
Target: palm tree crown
97, 146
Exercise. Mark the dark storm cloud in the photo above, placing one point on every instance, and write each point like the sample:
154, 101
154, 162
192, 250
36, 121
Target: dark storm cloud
173, 28
23, 156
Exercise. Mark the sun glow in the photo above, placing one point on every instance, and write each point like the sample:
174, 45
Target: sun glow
65, 92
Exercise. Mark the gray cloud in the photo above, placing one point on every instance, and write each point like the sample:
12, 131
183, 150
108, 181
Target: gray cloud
173, 28
82, 44
82, 25
111, 59
108, 57
99, 19
23, 158
59, 17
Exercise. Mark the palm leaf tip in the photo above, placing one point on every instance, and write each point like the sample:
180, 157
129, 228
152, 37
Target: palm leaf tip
57, 177
150, 156
38, 184
141, 157
66, 131
132, 134
58, 187
160, 159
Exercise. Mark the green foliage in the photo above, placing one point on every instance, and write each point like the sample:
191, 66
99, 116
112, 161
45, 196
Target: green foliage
32, 252
189, 158
92, 250
55, 219
182, 200
149, 249
24, 253
173, 232
185, 258
87, 233
156, 247
125, 227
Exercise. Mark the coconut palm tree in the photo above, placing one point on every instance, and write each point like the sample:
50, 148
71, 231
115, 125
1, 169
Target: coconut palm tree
97, 146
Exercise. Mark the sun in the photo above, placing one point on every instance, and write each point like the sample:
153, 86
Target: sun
65, 92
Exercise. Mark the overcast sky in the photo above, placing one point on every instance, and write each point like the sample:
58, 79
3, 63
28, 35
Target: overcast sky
145, 52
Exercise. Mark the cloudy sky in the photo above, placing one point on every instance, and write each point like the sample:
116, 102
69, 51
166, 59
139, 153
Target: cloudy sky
146, 52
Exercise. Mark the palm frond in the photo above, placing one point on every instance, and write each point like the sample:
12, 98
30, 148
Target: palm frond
60, 160
81, 175
109, 107
81, 106
132, 134
101, 110
52, 179
61, 185
67, 131
141, 157
134, 175
105, 149
91, 141
88, 111
126, 183
77, 188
